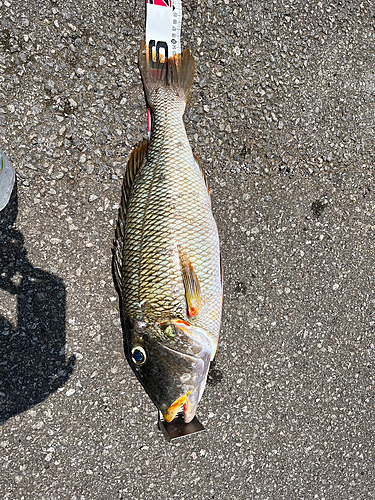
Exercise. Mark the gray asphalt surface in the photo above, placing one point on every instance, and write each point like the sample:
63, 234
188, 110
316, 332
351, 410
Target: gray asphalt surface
282, 117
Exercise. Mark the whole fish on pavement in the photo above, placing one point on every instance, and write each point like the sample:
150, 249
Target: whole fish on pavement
167, 262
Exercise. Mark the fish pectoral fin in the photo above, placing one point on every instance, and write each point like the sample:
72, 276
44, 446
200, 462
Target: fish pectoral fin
134, 163
193, 293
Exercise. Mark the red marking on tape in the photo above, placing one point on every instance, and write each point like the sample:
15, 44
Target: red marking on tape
161, 3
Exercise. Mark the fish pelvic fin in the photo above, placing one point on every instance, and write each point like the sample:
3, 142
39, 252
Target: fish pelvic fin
175, 75
193, 293
133, 165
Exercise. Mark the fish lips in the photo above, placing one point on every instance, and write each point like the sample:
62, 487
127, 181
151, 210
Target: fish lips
176, 368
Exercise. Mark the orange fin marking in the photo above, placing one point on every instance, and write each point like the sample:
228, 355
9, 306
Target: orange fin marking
181, 322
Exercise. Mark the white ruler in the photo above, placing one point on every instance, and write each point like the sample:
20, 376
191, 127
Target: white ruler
163, 26
163, 30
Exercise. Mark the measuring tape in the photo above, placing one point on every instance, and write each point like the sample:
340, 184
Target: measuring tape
163, 26
163, 31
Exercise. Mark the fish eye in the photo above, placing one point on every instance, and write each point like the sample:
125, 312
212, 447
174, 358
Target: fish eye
138, 355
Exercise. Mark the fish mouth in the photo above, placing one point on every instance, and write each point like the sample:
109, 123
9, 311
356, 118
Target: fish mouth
187, 403
176, 407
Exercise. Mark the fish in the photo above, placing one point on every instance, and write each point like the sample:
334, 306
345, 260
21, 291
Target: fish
166, 251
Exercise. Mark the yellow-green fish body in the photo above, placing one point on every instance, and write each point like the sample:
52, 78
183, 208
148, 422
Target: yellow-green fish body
167, 255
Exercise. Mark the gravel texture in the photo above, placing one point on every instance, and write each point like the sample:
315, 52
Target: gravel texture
282, 116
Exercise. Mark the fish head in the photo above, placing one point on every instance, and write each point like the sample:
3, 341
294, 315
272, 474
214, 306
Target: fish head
171, 360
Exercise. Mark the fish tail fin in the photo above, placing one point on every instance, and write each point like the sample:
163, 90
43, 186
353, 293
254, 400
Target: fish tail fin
174, 75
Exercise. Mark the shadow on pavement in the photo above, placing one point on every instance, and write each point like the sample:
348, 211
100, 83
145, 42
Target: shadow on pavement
32, 356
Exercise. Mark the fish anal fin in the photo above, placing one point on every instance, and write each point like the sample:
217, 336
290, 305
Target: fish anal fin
193, 293
133, 165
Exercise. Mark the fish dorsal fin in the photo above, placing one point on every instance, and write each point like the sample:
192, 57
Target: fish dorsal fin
198, 162
135, 161
193, 293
